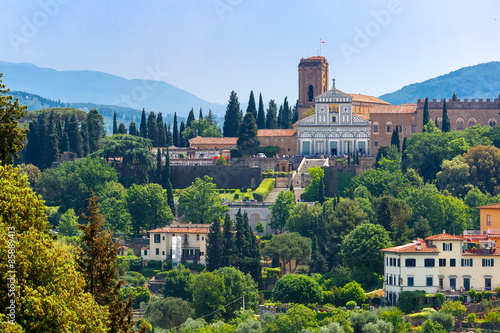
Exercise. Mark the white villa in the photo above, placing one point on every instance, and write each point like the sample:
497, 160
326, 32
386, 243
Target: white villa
442, 263
333, 129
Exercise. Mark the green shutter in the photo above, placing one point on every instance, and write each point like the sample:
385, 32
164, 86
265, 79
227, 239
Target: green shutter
470, 262
484, 262
451, 246
492, 262
443, 246
462, 262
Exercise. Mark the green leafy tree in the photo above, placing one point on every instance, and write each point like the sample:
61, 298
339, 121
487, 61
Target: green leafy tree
302, 219
432, 327
395, 317
113, 206
12, 136
200, 202
271, 120
293, 288
98, 266
446, 320
454, 177
426, 117
353, 292
68, 224
208, 295
261, 117
221, 161
121, 129
280, 209
457, 309
295, 320
445, 127
178, 283
201, 128
167, 312
60, 303
148, 206
484, 163
232, 119
31, 171
288, 247
311, 192
248, 142
393, 214
260, 228
95, 127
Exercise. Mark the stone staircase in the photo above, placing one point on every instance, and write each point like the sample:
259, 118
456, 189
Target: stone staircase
302, 177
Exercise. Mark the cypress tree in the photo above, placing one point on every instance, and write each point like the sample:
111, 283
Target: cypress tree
261, 116
85, 139
51, 143
175, 132
395, 138
162, 131
286, 115
152, 129
143, 129
229, 247
252, 260
74, 136
318, 262
291, 189
115, 126
214, 245
95, 128
321, 191
132, 129
240, 237
182, 141
454, 97
251, 105
200, 116
64, 143
168, 184
248, 142
59, 131
271, 121
42, 137
121, 129
295, 113
280, 117
426, 116
348, 153
404, 157
158, 166
169, 135
211, 118
232, 119
190, 118
445, 127
33, 147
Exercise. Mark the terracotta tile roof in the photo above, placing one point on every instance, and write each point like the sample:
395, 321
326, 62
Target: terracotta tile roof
493, 206
184, 229
405, 108
412, 248
276, 132
367, 99
215, 141
444, 236
316, 57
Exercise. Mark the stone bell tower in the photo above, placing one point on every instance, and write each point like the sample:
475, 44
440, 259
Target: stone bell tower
313, 81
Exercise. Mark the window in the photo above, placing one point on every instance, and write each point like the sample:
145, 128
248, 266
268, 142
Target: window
375, 128
410, 262
447, 246
202, 253
202, 238
288, 149
428, 281
429, 262
267, 140
400, 129
460, 124
488, 262
399, 262
492, 122
389, 129
390, 279
390, 261
414, 128
157, 251
163, 237
387, 261
281, 140
488, 219
334, 119
162, 253
453, 262
375, 143
466, 262
410, 281
197, 237
156, 238
145, 252
453, 283
442, 262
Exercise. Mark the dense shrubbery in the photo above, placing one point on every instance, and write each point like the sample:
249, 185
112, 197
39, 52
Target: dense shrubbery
264, 189
269, 151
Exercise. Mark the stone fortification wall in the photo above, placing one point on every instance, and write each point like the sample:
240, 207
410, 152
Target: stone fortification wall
241, 177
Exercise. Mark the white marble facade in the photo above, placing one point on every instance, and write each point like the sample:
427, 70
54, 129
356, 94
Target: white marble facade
333, 129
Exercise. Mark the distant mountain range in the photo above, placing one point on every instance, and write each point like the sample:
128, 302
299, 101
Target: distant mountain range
479, 81
82, 87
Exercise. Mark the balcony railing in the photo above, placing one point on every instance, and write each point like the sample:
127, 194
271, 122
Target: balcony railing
478, 252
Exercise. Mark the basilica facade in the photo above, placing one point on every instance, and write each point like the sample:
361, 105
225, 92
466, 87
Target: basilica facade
333, 129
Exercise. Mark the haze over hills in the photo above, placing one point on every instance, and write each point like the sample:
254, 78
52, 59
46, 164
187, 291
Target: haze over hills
479, 81
103, 89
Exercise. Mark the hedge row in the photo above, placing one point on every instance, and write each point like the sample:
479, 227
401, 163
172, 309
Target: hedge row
237, 194
274, 174
263, 190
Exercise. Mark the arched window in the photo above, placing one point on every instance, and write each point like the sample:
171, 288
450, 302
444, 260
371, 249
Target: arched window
472, 122
311, 93
492, 122
460, 124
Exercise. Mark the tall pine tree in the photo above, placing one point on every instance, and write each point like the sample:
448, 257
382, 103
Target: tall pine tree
261, 116
271, 120
232, 119
286, 116
162, 131
168, 184
182, 140
214, 245
426, 116
229, 246
143, 128
251, 105
74, 136
115, 125
158, 166
170, 141
132, 129
200, 116
175, 132
190, 118
395, 137
445, 127
248, 142
152, 129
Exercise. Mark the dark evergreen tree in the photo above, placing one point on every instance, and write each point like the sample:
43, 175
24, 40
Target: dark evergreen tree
426, 116
64, 143
121, 129
445, 127
240, 238
170, 141
42, 139
175, 132
229, 246
190, 118
158, 166
162, 131
115, 126
251, 105
286, 116
318, 263
280, 117
59, 132
454, 97
291, 189
271, 121
51, 143
85, 139
33, 148
248, 142
395, 137
182, 141
95, 128
214, 245
132, 129
232, 119
252, 263
152, 129
74, 135
167, 183
321, 191
211, 118
200, 116
143, 128
295, 113
261, 116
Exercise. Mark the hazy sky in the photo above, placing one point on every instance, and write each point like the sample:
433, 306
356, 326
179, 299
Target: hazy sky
211, 47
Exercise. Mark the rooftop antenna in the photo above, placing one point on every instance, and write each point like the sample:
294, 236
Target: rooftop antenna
320, 43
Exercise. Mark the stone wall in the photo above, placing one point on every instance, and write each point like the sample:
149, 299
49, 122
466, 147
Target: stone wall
241, 177
264, 163
331, 176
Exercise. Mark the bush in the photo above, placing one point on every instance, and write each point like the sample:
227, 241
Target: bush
269, 151
297, 289
492, 317
234, 153
365, 307
135, 279
269, 170
471, 318
329, 297
264, 189
237, 194
246, 197
148, 272
222, 191
445, 319
249, 190
351, 305
154, 264
140, 294
353, 292
228, 190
